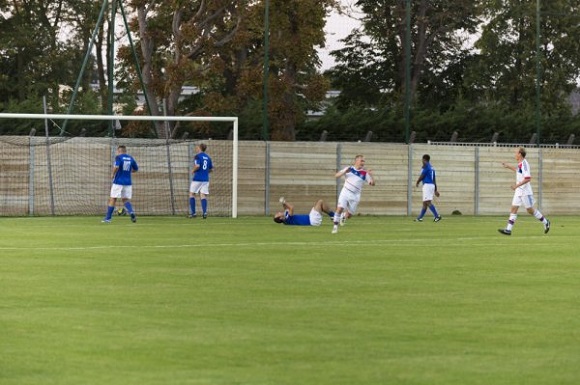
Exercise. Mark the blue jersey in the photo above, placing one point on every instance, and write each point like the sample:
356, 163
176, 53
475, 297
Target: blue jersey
205, 165
296, 220
428, 173
125, 165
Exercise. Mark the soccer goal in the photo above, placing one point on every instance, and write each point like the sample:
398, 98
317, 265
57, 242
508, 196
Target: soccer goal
71, 175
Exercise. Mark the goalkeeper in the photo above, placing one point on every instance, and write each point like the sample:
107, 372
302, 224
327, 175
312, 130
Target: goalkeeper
288, 217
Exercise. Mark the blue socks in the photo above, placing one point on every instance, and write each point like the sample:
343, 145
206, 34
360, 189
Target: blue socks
434, 211
129, 207
110, 210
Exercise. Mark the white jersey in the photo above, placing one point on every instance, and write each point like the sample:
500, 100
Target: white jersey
355, 179
522, 173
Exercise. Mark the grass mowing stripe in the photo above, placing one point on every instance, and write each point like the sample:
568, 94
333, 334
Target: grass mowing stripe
250, 302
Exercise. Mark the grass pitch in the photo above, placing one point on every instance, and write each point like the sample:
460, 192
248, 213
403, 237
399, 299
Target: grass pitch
385, 301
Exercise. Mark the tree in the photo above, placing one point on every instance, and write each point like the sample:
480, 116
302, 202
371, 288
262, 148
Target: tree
38, 58
380, 60
217, 46
506, 68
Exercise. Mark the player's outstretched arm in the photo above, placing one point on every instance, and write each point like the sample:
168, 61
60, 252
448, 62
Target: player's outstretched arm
342, 172
509, 166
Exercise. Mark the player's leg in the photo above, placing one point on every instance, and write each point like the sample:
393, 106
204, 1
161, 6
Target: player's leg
528, 203
516, 203
192, 190
428, 191
203, 193
115, 193
426, 205
350, 209
342, 203
512, 218
315, 217
203, 200
110, 209
322, 207
127, 194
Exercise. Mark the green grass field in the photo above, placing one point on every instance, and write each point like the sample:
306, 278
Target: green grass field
246, 301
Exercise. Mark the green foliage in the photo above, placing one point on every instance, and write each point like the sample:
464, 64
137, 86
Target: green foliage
475, 92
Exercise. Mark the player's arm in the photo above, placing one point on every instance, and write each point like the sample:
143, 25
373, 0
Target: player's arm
196, 167
371, 180
421, 177
288, 207
505, 165
114, 172
435, 183
527, 179
342, 172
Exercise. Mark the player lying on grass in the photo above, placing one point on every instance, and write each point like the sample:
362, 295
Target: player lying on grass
313, 219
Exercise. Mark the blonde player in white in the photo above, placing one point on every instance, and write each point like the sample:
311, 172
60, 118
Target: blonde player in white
355, 177
523, 194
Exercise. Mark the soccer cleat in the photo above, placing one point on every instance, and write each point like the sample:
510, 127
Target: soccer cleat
547, 226
505, 231
133, 218
192, 216
342, 219
334, 229
437, 219
106, 220
418, 220
282, 200
204, 216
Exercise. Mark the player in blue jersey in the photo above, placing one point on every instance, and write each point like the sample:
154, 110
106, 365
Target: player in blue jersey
122, 187
288, 217
202, 166
429, 189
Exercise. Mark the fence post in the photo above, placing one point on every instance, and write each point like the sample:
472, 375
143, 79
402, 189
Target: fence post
267, 180
410, 179
476, 186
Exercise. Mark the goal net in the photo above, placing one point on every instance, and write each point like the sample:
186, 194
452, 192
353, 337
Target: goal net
58, 175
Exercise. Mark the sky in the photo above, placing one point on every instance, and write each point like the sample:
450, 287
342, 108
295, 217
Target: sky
337, 28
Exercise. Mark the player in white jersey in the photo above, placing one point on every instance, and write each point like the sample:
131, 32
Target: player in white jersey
523, 194
355, 177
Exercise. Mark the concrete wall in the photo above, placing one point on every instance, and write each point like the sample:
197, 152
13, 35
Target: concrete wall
470, 178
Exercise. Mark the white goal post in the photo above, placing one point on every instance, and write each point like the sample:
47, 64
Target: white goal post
233, 120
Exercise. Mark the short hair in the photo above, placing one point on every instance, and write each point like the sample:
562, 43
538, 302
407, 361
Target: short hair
426, 157
522, 151
123, 148
278, 220
202, 147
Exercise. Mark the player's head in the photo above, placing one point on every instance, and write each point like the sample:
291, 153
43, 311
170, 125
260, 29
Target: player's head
520, 153
279, 217
426, 158
202, 147
122, 149
359, 161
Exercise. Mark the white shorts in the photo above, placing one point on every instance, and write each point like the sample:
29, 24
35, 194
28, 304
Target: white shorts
315, 217
348, 200
120, 191
428, 192
526, 200
199, 188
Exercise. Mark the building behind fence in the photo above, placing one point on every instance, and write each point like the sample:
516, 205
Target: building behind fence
71, 176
